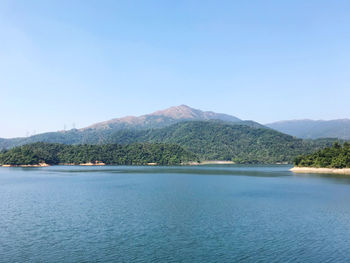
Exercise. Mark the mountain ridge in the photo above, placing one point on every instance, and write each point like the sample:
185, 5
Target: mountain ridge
162, 118
314, 129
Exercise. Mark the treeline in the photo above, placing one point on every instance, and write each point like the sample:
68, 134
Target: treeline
337, 156
133, 154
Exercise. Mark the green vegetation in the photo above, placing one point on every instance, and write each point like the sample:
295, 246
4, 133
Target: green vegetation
120, 134
337, 156
217, 140
140, 153
209, 140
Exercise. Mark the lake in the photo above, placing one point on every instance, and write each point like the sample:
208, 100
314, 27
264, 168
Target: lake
226, 213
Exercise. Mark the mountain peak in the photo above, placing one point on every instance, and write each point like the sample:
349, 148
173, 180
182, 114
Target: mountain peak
178, 112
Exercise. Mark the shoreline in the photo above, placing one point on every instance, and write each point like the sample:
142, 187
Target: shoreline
47, 165
345, 171
208, 162
26, 165
103, 164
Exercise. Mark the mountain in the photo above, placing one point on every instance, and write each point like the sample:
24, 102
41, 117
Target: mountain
207, 134
312, 129
162, 118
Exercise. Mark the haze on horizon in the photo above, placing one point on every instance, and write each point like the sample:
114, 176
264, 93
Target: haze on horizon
82, 62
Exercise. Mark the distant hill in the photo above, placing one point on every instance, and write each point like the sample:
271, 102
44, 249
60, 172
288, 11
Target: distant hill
312, 129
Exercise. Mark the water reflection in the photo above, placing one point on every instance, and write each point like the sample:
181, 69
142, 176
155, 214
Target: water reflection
261, 171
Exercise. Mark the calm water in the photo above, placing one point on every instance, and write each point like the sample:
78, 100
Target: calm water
172, 214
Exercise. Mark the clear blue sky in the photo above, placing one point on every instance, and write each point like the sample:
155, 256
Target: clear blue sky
69, 61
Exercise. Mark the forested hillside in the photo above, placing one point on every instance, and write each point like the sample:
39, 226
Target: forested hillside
215, 140
92, 136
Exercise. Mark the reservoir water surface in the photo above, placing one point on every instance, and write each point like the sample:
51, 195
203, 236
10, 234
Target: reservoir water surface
226, 213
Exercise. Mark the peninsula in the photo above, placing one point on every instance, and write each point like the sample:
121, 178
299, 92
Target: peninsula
331, 160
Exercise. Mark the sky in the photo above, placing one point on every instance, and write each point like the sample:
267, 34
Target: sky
71, 63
